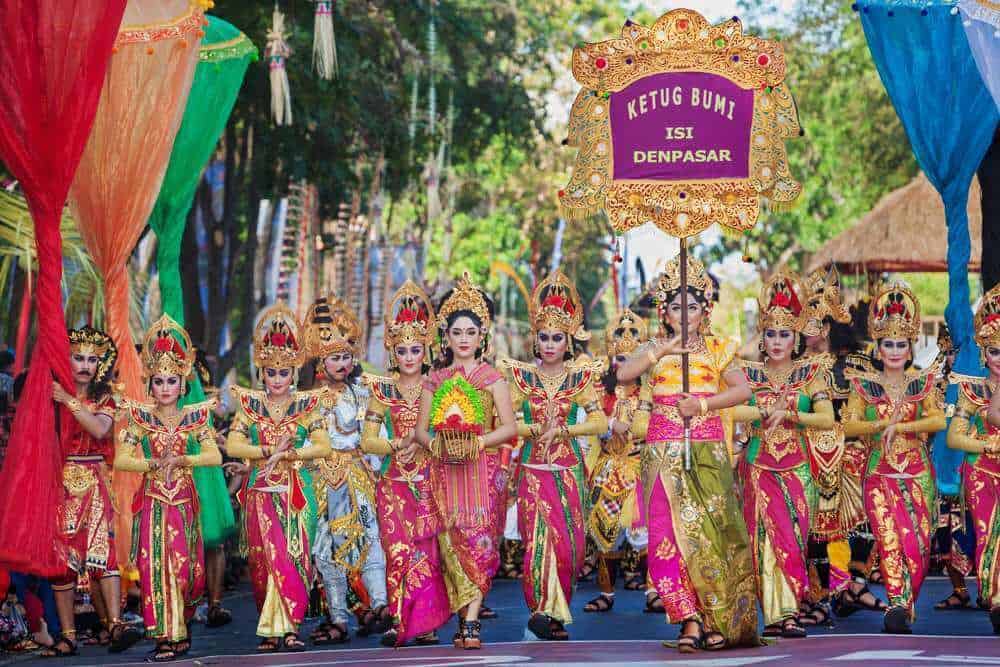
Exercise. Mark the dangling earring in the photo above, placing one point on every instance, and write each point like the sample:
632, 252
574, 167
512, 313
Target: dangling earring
295, 378
183, 387
760, 346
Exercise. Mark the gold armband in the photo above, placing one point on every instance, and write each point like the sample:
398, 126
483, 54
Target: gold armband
645, 406
703, 405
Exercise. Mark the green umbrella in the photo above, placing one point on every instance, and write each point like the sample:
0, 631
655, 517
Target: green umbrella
225, 54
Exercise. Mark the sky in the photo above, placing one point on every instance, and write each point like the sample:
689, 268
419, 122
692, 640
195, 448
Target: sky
711, 9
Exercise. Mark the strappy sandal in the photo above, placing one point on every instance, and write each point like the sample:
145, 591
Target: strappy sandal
654, 604
62, 647
123, 637
586, 572
816, 615
427, 639
217, 616
541, 626
471, 640
772, 630
714, 641
959, 599
182, 647
558, 631
327, 638
790, 629
164, 652
458, 641
688, 643
291, 643
601, 604
486, 613
636, 582
101, 638
389, 638
375, 621
897, 621
268, 645
320, 630
995, 619
849, 602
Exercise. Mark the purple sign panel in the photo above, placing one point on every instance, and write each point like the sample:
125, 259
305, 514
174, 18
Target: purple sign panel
681, 126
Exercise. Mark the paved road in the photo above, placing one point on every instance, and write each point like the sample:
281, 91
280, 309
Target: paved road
625, 637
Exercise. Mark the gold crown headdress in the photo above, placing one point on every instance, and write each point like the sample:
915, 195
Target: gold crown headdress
987, 320
167, 350
625, 333
465, 296
824, 298
780, 303
331, 328
670, 281
409, 317
555, 304
894, 313
276, 337
88, 340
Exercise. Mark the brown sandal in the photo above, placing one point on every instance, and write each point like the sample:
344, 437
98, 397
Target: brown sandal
690, 643
470, 639
63, 647
601, 604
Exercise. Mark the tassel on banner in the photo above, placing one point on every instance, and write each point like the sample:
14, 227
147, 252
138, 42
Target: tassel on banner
277, 52
325, 41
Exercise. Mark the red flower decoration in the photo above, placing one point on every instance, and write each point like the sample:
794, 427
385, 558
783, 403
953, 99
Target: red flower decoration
279, 339
781, 299
454, 423
163, 344
559, 302
992, 317
411, 315
896, 308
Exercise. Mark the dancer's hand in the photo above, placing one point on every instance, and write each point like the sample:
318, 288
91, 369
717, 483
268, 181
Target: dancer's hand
60, 395
774, 420
689, 406
408, 449
235, 468
285, 444
170, 464
661, 347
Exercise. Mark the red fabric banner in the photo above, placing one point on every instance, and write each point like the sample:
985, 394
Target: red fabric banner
53, 58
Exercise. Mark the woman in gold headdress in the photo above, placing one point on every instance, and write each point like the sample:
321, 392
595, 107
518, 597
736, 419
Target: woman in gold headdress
467, 420
892, 409
790, 395
617, 516
164, 443
409, 521
551, 485
979, 438
275, 429
699, 559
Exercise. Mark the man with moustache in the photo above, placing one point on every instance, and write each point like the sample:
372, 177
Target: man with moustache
87, 532
347, 533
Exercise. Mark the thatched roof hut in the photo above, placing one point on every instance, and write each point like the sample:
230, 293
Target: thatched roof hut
905, 232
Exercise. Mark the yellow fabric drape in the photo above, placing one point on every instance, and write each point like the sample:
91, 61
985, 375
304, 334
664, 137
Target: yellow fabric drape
142, 103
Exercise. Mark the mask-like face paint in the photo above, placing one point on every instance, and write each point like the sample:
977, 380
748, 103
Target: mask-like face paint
551, 345
410, 359
778, 343
338, 366
464, 337
993, 359
277, 381
895, 352
695, 312
166, 389
84, 366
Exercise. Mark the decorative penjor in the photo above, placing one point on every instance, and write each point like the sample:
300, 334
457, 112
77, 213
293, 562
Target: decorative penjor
681, 124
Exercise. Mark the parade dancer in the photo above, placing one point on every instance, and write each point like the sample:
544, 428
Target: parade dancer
87, 510
551, 480
275, 429
164, 442
460, 407
699, 558
409, 520
347, 533
616, 517
892, 408
790, 395
979, 438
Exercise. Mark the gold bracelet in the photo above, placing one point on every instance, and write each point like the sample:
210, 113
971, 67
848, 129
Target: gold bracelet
74, 404
703, 405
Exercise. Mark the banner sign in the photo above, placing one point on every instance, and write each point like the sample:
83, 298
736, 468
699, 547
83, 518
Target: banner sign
681, 125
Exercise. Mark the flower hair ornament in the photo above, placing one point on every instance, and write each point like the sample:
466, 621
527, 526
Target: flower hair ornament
698, 279
466, 296
823, 299
88, 340
987, 320
555, 304
167, 350
331, 328
781, 304
277, 339
894, 313
409, 318
625, 333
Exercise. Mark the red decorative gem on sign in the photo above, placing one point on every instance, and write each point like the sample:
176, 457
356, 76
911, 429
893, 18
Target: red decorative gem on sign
682, 24
600, 63
562, 193
763, 59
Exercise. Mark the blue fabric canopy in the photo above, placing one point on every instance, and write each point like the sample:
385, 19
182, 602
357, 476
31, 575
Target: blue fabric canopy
924, 61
